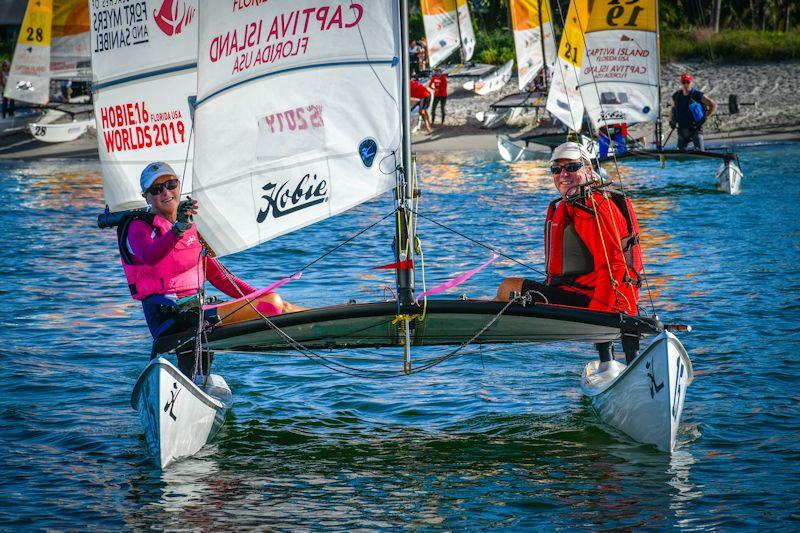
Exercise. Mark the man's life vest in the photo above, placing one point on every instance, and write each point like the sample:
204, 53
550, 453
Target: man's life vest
697, 110
566, 255
180, 271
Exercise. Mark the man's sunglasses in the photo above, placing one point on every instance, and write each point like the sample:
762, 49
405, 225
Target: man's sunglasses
170, 185
569, 167
686, 83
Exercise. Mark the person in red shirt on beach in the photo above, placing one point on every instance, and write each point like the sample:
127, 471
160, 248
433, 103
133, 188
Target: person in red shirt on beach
421, 93
439, 85
592, 252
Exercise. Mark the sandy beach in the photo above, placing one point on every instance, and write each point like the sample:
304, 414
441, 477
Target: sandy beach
767, 92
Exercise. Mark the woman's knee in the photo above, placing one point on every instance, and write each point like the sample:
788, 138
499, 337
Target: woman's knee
508, 286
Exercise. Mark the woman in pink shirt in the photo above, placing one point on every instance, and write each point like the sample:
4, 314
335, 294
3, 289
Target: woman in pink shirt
164, 260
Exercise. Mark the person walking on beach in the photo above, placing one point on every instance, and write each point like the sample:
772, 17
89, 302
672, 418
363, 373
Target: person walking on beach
422, 94
163, 260
413, 58
439, 85
592, 253
690, 110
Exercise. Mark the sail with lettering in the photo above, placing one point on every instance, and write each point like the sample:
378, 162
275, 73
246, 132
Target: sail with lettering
144, 72
70, 52
619, 75
29, 77
534, 39
443, 33
297, 117
564, 98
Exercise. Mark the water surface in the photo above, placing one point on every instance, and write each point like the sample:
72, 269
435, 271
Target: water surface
498, 438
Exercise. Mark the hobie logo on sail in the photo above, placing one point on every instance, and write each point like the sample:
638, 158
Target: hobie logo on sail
173, 16
367, 149
286, 199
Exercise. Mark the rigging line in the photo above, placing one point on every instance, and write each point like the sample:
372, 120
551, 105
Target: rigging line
479, 243
307, 352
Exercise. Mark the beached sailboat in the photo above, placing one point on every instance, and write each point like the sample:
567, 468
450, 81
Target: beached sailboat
53, 44
278, 165
448, 28
534, 44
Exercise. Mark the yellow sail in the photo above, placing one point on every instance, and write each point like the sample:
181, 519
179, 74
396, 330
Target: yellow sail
29, 78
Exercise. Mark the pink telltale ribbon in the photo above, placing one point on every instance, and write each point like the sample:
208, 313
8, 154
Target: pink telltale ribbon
268, 308
458, 280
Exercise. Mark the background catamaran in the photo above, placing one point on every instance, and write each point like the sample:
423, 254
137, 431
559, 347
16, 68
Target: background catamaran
264, 167
53, 45
609, 68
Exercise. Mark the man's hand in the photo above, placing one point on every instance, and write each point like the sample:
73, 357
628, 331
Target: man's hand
672, 124
186, 210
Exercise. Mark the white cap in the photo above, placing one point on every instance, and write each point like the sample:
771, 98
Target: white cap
152, 172
571, 150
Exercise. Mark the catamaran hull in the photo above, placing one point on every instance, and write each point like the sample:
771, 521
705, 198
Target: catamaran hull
512, 151
645, 399
59, 133
729, 178
178, 417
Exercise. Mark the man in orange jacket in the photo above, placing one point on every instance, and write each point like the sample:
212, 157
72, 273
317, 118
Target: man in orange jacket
592, 253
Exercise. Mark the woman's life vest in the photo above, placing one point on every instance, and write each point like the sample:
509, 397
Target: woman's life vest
180, 272
569, 259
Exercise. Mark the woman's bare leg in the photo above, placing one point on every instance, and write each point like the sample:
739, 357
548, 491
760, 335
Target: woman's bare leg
508, 286
232, 312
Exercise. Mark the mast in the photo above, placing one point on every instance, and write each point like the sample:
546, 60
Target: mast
541, 43
404, 237
460, 38
658, 97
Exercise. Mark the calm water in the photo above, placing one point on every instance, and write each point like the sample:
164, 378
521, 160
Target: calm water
497, 439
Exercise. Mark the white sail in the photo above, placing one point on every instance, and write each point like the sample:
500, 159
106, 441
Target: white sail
493, 82
564, 97
70, 53
619, 77
29, 78
298, 114
441, 32
533, 33
144, 71
467, 33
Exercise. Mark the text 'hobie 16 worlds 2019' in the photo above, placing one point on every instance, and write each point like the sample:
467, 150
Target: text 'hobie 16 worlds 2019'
256, 178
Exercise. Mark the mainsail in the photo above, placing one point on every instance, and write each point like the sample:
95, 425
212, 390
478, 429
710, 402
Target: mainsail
144, 72
619, 74
564, 99
29, 78
298, 114
533, 38
70, 53
443, 33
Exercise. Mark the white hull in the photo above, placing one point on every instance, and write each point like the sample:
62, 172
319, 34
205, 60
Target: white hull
729, 178
512, 152
178, 416
643, 400
61, 132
